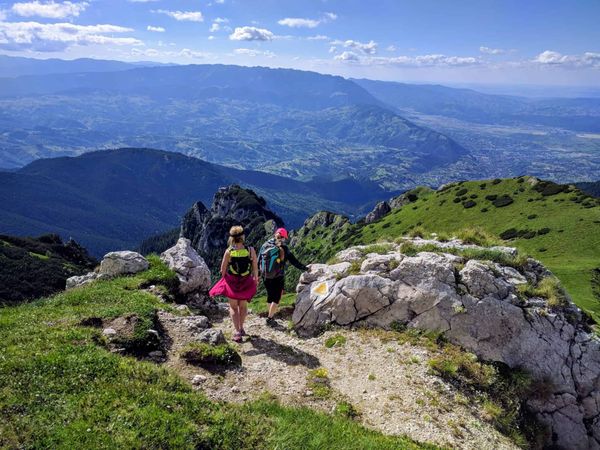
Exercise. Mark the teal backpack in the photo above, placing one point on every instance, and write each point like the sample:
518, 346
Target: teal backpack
269, 261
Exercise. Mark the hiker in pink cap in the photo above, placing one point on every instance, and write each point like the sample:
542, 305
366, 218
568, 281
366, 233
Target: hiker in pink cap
239, 270
272, 258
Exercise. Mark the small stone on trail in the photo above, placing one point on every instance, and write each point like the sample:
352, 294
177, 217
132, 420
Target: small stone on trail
235, 389
109, 332
198, 379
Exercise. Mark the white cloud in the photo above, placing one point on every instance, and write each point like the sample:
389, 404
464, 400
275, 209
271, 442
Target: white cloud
219, 2
51, 37
155, 29
50, 10
253, 52
551, 58
182, 16
492, 51
433, 60
296, 22
251, 34
347, 56
369, 48
214, 27
211, 38
391, 48
221, 20
332, 49
153, 53
318, 37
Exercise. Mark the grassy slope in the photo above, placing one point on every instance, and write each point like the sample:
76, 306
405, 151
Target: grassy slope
571, 254
59, 385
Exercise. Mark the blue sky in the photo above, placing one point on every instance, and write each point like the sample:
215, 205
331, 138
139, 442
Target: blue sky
477, 41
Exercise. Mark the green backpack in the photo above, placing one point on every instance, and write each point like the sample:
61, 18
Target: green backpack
240, 261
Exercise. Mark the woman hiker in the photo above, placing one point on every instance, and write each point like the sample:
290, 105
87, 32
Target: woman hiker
239, 270
273, 255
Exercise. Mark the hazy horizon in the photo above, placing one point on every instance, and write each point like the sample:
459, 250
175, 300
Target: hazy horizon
499, 42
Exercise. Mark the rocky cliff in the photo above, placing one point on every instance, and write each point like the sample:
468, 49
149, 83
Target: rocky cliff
501, 307
208, 229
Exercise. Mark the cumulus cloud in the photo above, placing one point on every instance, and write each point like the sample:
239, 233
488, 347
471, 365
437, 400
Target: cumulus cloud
253, 52
155, 29
347, 56
52, 37
182, 16
369, 48
214, 27
50, 10
298, 22
551, 58
251, 34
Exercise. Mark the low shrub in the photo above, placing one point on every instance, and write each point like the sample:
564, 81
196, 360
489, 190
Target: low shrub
336, 340
201, 353
502, 201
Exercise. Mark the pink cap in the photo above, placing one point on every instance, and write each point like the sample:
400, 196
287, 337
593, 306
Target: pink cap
282, 232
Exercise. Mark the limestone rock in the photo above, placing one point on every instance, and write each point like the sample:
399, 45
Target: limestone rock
475, 304
125, 262
380, 210
212, 337
192, 271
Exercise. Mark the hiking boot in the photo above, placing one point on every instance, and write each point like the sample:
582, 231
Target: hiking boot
243, 332
237, 337
271, 322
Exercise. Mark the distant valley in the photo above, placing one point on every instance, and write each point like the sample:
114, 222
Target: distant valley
297, 124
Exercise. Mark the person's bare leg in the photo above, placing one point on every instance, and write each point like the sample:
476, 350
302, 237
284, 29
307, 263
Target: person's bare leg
243, 312
272, 309
234, 313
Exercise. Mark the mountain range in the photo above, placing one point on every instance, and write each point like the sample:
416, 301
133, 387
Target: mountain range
114, 199
288, 122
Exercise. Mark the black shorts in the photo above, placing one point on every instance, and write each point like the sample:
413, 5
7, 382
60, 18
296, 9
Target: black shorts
274, 288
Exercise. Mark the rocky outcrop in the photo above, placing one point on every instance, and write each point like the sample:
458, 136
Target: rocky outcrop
208, 230
475, 304
113, 264
126, 262
192, 271
321, 220
381, 209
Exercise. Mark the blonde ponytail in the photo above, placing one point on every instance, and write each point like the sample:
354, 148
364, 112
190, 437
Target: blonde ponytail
236, 235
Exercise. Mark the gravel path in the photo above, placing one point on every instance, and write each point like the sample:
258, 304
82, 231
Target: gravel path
388, 383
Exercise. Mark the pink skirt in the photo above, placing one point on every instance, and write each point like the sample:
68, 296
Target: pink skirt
234, 287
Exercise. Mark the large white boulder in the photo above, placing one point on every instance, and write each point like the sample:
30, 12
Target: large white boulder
476, 305
192, 271
125, 262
